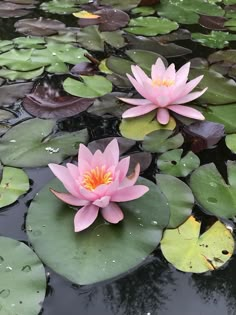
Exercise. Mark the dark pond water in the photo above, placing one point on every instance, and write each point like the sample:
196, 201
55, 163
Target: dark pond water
155, 287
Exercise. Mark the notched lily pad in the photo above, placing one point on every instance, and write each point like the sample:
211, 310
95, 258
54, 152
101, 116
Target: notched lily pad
179, 196
46, 102
151, 26
173, 163
103, 250
137, 128
23, 279
14, 183
88, 87
190, 251
38, 146
212, 192
161, 141
39, 26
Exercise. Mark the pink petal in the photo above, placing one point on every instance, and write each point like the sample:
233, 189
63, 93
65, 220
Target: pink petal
139, 74
131, 179
97, 160
73, 169
190, 97
87, 194
112, 213
102, 202
112, 152
158, 70
84, 153
169, 74
163, 96
63, 174
138, 111
129, 193
85, 217
163, 116
123, 168
186, 111
136, 101
192, 84
139, 88
71, 200
182, 74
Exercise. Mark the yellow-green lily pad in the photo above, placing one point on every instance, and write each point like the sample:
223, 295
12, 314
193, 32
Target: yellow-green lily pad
189, 251
138, 127
14, 183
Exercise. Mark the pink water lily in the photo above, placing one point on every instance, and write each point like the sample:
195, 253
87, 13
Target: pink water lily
98, 182
165, 91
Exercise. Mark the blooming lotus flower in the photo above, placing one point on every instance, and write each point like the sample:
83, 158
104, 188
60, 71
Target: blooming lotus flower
98, 182
165, 91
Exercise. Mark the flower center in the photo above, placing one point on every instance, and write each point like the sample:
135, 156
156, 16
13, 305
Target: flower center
159, 82
95, 177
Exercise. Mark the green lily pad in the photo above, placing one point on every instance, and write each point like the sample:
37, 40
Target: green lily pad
189, 251
89, 87
187, 12
23, 280
60, 6
145, 59
216, 39
143, 11
14, 183
20, 75
212, 192
138, 127
38, 146
172, 163
179, 196
121, 4
220, 90
151, 26
91, 38
224, 114
230, 141
103, 250
161, 141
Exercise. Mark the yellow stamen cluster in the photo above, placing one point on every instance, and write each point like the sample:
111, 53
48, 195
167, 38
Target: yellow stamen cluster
95, 177
166, 83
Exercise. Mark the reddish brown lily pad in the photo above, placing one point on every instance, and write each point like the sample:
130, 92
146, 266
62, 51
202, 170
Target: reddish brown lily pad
46, 102
212, 22
108, 20
203, 135
9, 9
39, 27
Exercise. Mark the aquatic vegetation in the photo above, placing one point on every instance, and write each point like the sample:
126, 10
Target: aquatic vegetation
144, 91
165, 91
98, 182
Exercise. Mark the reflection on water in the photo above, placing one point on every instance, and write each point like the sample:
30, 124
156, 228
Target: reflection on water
153, 289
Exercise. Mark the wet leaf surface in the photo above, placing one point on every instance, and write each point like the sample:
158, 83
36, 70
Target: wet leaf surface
23, 280
179, 196
38, 146
176, 164
103, 250
46, 102
190, 251
14, 183
212, 192
39, 26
